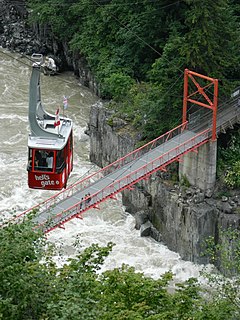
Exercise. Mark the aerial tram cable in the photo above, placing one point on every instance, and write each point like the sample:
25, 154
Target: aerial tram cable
14, 58
20, 60
25, 56
169, 88
102, 3
136, 35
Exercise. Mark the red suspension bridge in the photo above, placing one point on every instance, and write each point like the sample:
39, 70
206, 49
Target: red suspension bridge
141, 163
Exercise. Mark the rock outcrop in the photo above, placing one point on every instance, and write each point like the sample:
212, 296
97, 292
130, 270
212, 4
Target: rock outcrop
17, 35
182, 217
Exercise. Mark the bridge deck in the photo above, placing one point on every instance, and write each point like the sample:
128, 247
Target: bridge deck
114, 182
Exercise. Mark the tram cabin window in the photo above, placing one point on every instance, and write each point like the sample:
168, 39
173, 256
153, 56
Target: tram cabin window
60, 160
40, 162
43, 160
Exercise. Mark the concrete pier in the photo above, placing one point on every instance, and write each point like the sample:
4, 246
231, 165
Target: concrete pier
200, 167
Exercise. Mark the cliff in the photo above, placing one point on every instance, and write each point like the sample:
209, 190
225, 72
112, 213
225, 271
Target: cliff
18, 35
181, 216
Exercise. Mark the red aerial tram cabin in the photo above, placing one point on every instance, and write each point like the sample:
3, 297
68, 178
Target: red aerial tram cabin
50, 142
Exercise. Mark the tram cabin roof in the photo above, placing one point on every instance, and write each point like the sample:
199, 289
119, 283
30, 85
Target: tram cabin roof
62, 133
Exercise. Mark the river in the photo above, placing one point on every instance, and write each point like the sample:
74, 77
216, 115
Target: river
111, 222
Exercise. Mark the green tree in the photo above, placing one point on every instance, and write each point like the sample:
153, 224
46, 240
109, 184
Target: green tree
225, 285
77, 287
130, 295
32, 287
26, 284
228, 161
211, 38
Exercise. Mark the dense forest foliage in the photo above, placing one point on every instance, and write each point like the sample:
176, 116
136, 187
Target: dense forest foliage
229, 161
138, 50
33, 287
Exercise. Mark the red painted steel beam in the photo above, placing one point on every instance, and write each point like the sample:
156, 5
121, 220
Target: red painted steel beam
201, 90
195, 92
212, 104
201, 103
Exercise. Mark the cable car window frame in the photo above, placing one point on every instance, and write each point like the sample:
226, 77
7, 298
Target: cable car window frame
32, 160
30, 157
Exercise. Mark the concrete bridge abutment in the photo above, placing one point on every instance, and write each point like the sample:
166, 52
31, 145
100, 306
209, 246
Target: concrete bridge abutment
200, 167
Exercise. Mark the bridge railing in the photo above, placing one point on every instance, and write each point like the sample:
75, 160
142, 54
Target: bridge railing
127, 181
201, 116
48, 204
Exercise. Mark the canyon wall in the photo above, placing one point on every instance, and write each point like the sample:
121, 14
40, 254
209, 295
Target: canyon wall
179, 215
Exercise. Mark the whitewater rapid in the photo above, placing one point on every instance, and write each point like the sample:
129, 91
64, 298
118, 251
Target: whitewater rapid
109, 224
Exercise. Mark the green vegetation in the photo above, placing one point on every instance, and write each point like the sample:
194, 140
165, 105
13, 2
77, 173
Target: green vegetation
138, 51
226, 254
184, 182
229, 163
32, 287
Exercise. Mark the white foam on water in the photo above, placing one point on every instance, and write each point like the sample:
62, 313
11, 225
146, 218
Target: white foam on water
111, 223
6, 89
17, 138
144, 254
79, 133
13, 117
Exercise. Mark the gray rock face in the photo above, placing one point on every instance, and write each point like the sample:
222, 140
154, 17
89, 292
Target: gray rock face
107, 146
17, 35
145, 229
180, 217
